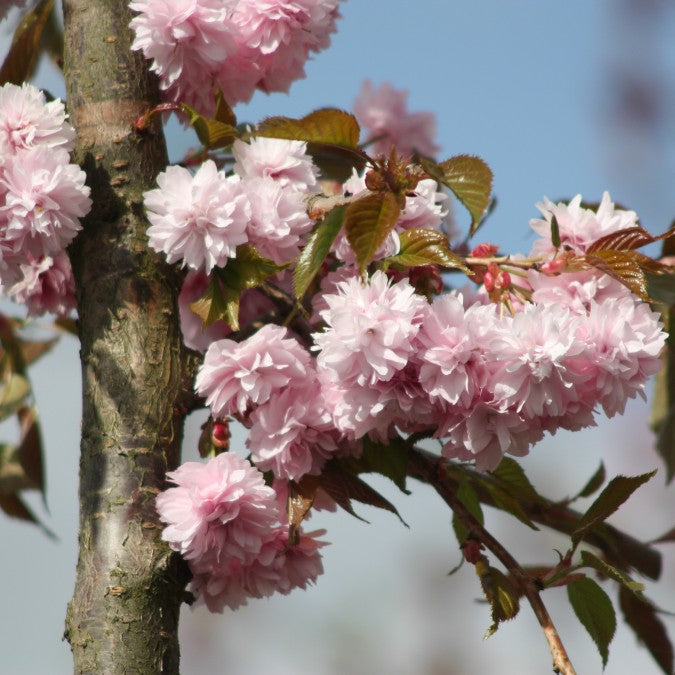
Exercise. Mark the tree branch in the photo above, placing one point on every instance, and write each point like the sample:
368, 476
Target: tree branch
428, 468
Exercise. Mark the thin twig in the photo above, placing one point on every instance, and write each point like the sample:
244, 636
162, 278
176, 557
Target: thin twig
427, 468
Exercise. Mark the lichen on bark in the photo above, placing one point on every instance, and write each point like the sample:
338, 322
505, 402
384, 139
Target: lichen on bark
136, 374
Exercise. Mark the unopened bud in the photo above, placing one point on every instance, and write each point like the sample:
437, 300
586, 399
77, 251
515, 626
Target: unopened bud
484, 250
220, 435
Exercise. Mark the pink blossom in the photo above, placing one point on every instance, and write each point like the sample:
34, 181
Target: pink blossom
280, 567
426, 207
624, 339
292, 434
284, 161
47, 286
578, 226
383, 112
42, 199
453, 343
237, 375
198, 219
574, 290
27, 120
219, 510
278, 219
486, 434
183, 38
370, 329
532, 349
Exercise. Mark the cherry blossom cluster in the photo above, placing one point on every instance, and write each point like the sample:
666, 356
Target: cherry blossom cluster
488, 371
42, 198
225, 522
236, 46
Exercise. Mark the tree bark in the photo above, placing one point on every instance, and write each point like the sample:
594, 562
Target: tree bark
123, 617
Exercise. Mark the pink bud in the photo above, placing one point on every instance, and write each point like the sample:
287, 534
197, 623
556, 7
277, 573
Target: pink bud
484, 250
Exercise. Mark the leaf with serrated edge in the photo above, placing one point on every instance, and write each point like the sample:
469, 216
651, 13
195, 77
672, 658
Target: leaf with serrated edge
595, 612
367, 222
343, 486
593, 484
626, 267
617, 491
421, 246
501, 595
389, 460
512, 476
317, 248
469, 178
327, 125
643, 620
591, 560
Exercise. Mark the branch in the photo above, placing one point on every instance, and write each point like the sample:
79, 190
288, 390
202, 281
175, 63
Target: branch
426, 467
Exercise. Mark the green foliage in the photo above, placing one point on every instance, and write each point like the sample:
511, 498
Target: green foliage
368, 221
593, 484
500, 594
617, 491
468, 497
420, 246
221, 298
595, 612
389, 460
469, 178
642, 618
213, 132
589, 559
343, 485
316, 249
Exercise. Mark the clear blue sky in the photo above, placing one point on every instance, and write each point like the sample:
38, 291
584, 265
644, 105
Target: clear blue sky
531, 87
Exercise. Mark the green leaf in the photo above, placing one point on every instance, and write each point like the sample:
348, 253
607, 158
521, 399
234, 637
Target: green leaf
617, 491
211, 132
343, 485
368, 221
511, 475
501, 595
317, 248
389, 459
223, 111
555, 232
504, 500
25, 48
420, 246
468, 497
595, 612
221, 298
591, 560
643, 620
593, 484
328, 126
13, 395
469, 178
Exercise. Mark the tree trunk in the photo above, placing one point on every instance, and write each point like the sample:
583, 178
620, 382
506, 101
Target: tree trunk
123, 617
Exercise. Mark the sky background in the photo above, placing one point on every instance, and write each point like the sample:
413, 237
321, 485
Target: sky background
559, 99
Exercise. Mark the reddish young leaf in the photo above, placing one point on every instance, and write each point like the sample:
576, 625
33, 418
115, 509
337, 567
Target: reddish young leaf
327, 125
30, 448
420, 246
25, 48
367, 222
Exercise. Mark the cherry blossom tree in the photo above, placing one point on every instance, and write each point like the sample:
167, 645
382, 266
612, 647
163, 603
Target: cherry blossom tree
305, 279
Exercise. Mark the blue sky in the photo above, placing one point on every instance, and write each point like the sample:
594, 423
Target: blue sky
529, 86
